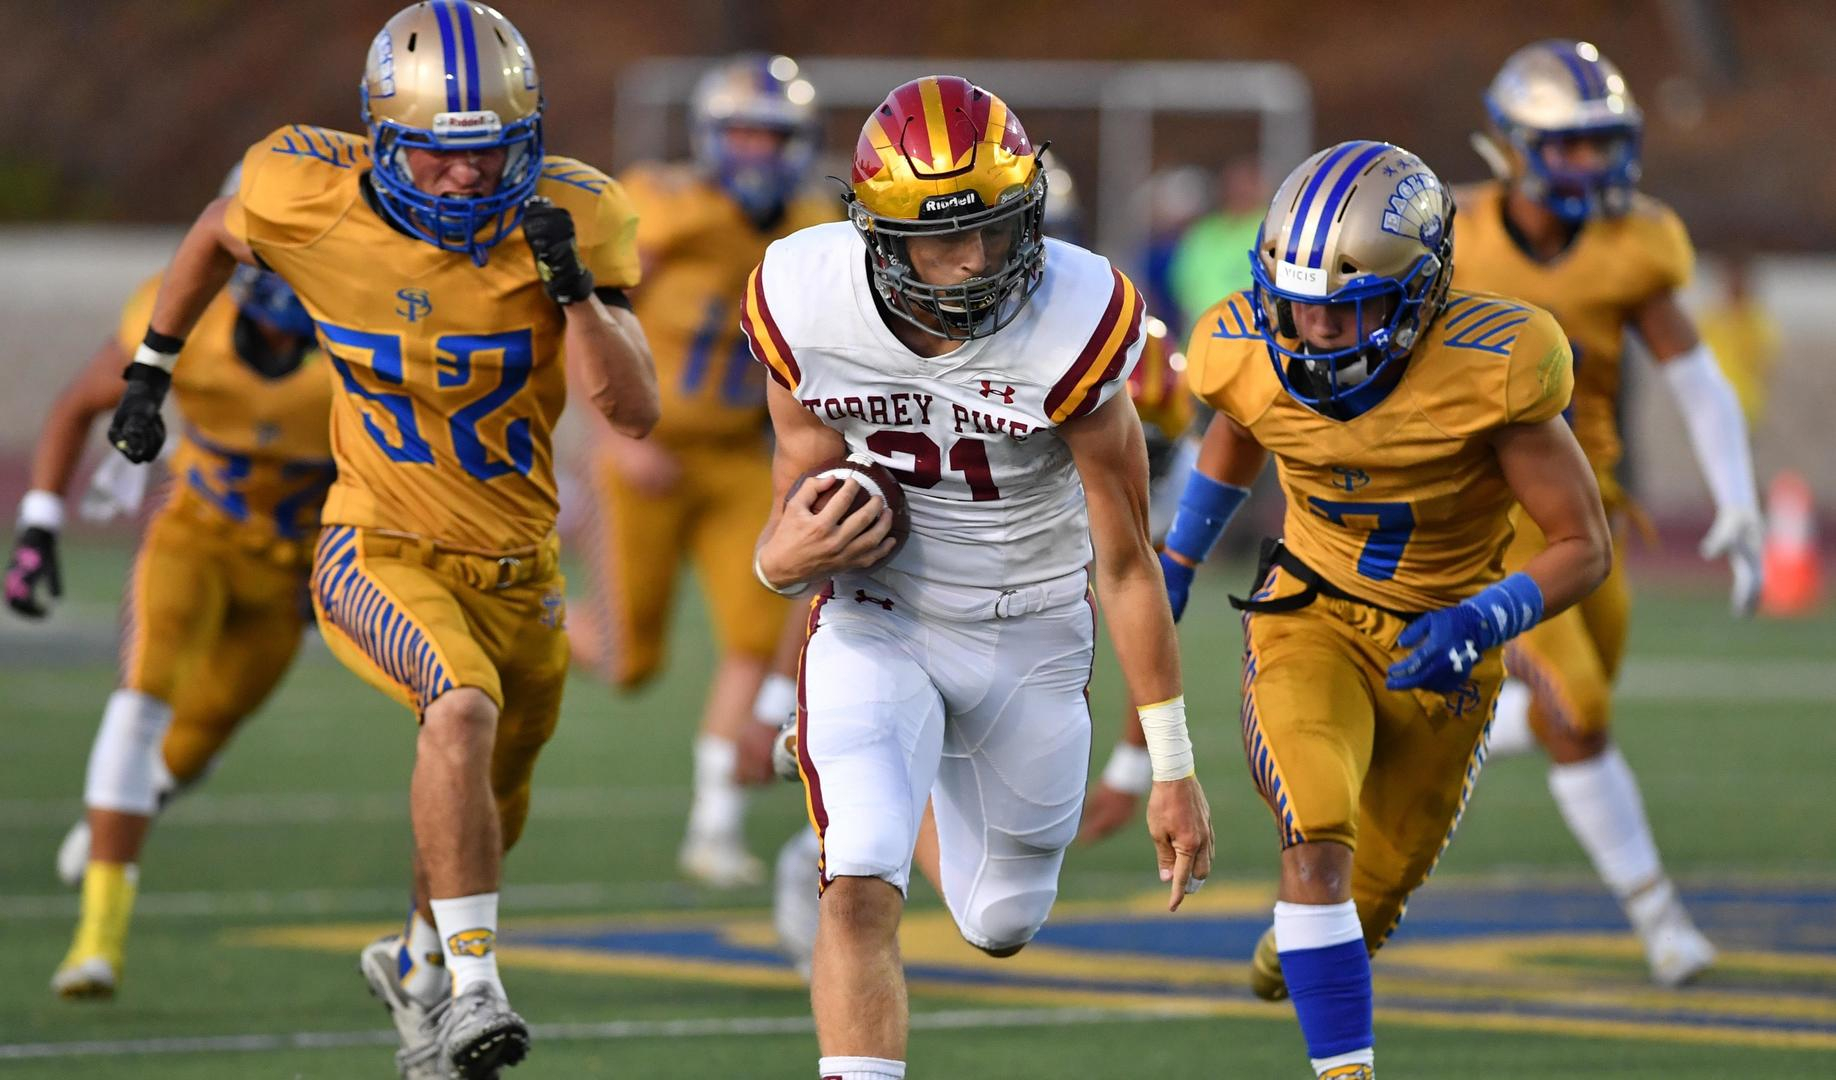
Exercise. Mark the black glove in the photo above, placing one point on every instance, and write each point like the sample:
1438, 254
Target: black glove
550, 232
137, 429
34, 564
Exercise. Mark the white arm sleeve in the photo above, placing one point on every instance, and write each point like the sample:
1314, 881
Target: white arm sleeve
1717, 429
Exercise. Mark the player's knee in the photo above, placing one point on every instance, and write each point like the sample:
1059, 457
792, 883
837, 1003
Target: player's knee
862, 908
460, 724
1316, 872
1004, 926
125, 765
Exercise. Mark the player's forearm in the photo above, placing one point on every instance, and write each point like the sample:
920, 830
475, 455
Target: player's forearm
1134, 600
60, 443
1571, 567
1717, 427
612, 364
198, 271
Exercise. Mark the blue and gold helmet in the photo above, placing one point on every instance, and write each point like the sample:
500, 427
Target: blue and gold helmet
452, 75
264, 297
763, 92
1364, 224
1556, 90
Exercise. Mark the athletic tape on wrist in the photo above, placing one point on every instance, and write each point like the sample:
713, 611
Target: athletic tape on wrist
759, 572
1169, 746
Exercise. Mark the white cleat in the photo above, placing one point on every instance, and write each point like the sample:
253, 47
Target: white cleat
795, 900
73, 855
418, 1059
470, 1037
719, 861
91, 979
1677, 951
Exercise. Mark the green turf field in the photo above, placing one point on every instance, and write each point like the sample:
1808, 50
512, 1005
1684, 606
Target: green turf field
256, 890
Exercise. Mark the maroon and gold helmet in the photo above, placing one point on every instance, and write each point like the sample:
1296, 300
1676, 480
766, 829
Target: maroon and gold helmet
942, 155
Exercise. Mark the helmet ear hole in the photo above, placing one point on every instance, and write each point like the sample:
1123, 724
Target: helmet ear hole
411, 38
1347, 268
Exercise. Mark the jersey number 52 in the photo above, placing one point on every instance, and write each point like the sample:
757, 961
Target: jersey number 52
453, 357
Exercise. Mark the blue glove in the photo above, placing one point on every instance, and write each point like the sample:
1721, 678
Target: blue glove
1179, 583
1449, 643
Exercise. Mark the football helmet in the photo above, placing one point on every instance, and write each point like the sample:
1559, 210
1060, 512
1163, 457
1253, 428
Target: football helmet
1556, 90
1364, 224
755, 91
446, 75
942, 155
264, 297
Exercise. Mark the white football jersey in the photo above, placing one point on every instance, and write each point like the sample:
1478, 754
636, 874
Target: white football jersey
995, 498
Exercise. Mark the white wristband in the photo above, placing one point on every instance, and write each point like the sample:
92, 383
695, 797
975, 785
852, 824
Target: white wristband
152, 357
1129, 770
776, 700
1169, 747
41, 510
759, 572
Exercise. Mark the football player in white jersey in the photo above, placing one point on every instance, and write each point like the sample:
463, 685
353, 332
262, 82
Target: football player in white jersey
938, 332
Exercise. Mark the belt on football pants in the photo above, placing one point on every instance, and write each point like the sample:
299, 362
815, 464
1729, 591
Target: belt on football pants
1274, 554
480, 569
962, 603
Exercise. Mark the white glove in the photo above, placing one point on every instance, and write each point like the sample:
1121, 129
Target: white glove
1739, 534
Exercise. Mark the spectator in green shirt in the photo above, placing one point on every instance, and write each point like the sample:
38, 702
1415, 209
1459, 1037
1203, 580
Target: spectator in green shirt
1212, 259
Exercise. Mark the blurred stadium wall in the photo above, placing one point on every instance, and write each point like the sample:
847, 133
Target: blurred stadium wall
127, 113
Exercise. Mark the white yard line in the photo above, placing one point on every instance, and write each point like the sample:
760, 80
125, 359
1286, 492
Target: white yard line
207, 809
954, 1020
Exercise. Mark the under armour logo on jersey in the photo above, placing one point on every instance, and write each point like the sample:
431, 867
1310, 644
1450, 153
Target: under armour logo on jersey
1463, 656
415, 304
1349, 479
266, 432
1006, 395
554, 610
1463, 699
861, 596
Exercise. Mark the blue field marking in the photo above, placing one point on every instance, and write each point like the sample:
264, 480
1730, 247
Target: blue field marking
1551, 958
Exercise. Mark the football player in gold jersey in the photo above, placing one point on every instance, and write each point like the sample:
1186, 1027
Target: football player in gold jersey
450, 266
1566, 230
1406, 421
699, 488
216, 602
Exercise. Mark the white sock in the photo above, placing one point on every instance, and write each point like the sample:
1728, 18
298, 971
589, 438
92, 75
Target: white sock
860, 1068
426, 980
1600, 801
125, 764
468, 926
776, 701
719, 808
1511, 734
1322, 1067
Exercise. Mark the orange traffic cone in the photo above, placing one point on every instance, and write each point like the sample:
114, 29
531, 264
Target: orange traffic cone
1794, 574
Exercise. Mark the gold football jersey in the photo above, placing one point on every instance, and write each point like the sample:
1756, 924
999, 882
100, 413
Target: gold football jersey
1159, 393
1614, 266
450, 373
1404, 505
697, 247
255, 450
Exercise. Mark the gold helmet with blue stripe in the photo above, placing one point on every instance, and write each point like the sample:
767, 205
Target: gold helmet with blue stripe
1362, 224
761, 93
447, 75
1565, 129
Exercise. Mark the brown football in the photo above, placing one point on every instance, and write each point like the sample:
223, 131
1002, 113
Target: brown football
876, 482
